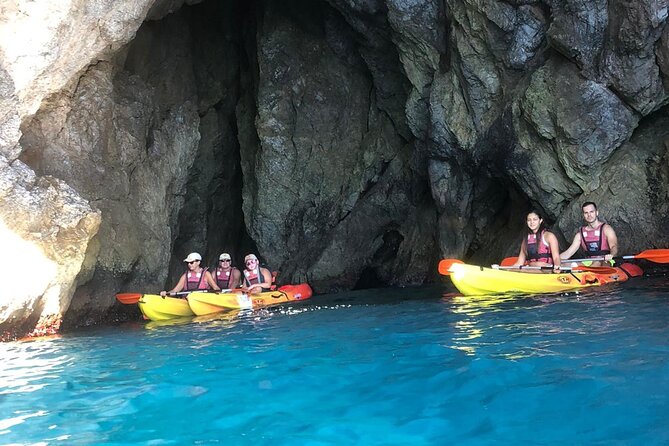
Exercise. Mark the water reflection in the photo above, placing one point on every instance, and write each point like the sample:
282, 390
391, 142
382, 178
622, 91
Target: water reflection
477, 305
222, 319
28, 366
482, 319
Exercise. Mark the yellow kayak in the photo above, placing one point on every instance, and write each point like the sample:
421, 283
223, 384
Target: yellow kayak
203, 303
474, 280
158, 308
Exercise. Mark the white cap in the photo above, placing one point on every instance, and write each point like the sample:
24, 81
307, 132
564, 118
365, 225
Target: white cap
224, 256
249, 257
193, 256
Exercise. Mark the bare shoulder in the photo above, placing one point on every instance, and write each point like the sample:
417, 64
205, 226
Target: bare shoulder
608, 229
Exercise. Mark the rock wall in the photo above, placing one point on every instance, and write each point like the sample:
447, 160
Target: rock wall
46, 222
348, 143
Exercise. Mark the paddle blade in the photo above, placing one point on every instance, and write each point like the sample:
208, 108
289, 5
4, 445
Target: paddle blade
654, 255
595, 269
509, 261
128, 298
445, 265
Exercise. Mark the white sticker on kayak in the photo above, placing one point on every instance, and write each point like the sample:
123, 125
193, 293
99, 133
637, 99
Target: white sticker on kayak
244, 301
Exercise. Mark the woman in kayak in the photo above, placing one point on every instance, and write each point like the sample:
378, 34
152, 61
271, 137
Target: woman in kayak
196, 278
540, 247
256, 279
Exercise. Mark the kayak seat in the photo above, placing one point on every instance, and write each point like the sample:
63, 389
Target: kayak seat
589, 279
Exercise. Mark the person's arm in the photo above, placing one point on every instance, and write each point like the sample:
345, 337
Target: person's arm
236, 279
555, 250
267, 275
521, 255
210, 280
612, 240
573, 248
177, 288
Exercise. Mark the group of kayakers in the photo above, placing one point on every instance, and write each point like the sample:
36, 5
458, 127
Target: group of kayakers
540, 247
252, 280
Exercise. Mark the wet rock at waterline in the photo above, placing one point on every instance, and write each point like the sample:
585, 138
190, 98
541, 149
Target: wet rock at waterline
349, 144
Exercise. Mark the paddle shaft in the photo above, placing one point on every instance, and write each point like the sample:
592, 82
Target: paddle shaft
593, 259
133, 298
185, 293
653, 255
576, 269
521, 267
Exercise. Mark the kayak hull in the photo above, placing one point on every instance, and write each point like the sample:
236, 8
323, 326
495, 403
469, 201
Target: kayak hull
474, 280
202, 303
159, 308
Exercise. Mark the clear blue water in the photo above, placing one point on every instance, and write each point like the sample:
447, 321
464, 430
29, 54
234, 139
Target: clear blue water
385, 367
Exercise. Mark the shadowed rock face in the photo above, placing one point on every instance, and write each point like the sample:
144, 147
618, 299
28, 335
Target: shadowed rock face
348, 143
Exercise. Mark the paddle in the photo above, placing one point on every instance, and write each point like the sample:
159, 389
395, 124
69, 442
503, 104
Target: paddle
133, 298
592, 269
524, 267
445, 265
128, 298
654, 255
508, 261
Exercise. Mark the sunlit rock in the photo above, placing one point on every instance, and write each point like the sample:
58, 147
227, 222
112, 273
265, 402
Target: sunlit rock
45, 235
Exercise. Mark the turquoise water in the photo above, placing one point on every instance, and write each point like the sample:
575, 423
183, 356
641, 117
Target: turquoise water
386, 367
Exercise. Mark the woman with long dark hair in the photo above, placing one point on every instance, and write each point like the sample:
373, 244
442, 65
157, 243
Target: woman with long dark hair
540, 247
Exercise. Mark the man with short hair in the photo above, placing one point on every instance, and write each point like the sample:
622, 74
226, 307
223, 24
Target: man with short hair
226, 275
596, 238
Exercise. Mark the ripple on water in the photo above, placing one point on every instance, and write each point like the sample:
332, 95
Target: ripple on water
409, 366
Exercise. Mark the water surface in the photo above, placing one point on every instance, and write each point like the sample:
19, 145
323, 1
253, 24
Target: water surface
404, 366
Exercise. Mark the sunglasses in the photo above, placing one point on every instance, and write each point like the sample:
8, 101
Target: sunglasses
225, 260
248, 262
190, 263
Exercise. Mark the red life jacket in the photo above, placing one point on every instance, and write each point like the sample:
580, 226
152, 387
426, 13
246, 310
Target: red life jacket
538, 251
223, 278
253, 277
195, 281
593, 242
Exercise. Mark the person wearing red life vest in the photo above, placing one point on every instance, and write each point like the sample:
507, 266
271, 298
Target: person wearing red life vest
226, 275
256, 279
196, 278
540, 246
595, 238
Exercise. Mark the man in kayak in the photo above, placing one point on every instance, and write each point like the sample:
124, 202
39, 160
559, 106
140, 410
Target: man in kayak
196, 278
226, 275
596, 238
540, 247
256, 279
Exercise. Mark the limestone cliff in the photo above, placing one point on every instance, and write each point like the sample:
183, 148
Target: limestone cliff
348, 143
